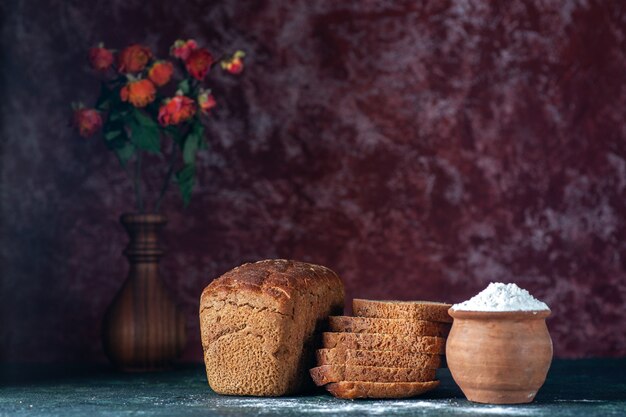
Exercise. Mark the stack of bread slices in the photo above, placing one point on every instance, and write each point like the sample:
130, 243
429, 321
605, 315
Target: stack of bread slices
390, 349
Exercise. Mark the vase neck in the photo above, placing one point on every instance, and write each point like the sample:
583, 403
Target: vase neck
144, 245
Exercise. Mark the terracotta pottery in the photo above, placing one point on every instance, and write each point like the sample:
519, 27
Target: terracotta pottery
499, 357
143, 330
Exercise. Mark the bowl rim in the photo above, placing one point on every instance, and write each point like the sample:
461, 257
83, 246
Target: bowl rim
499, 315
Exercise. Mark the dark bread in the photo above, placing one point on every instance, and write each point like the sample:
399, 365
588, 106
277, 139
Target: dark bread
259, 323
394, 342
408, 310
388, 359
351, 390
388, 326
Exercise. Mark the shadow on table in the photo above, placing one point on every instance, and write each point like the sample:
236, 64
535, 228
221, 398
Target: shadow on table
581, 381
585, 381
16, 375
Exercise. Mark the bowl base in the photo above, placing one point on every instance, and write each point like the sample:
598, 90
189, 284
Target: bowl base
499, 397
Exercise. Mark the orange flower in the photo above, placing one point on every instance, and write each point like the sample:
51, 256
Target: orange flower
139, 93
134, 58
198, 63
234, 64
100, 58
206, 101
87, 121
161, 72
176, 110
181, 49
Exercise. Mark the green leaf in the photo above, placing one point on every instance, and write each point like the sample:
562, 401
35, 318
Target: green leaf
104, 99
118, 114
144, 132
144, 119
124, 152
112, 134
103, 105
184, 86
193, 142
185, 178
113, 130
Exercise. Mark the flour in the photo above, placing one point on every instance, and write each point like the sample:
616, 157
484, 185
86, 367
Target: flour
502, 297
331, 407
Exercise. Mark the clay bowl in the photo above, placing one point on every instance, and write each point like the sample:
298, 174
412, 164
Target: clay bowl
499, 357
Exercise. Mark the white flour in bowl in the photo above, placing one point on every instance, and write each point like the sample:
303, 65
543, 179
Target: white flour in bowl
502, 297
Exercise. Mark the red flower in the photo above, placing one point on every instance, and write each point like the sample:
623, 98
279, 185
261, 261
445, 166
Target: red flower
161, 72
198, 63
176, 110
87, 121
134, 58
234, 64
181, 49
100, 58
206, 101
139, 93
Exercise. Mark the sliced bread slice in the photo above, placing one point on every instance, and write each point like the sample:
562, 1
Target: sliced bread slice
327, 374
377, 341
388, 326
388, 359
409, 310
351, 390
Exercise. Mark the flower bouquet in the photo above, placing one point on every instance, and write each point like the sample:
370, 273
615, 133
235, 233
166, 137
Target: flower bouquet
145, 102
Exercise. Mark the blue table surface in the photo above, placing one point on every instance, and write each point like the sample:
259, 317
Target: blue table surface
591, 387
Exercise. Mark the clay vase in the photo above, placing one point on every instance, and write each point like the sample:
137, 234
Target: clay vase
499, 357
143, 330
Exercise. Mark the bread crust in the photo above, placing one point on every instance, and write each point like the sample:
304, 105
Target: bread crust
276, 278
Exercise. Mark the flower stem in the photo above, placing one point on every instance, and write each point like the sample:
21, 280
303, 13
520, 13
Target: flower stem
168, 178
137, 181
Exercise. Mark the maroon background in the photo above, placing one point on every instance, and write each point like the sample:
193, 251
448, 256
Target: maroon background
420, 149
